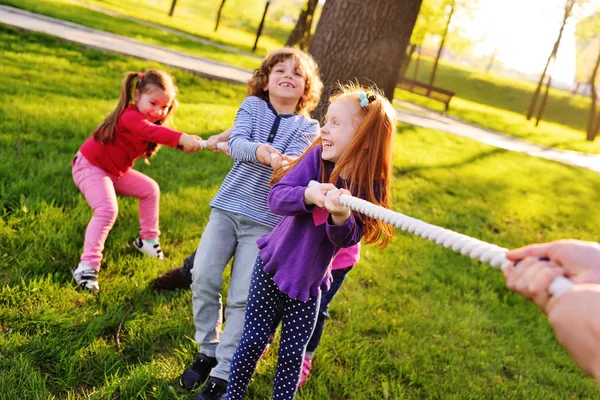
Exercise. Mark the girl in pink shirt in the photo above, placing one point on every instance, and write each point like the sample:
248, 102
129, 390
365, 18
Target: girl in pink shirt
102, 168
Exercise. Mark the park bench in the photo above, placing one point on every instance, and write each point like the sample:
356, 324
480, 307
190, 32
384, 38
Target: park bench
426, 90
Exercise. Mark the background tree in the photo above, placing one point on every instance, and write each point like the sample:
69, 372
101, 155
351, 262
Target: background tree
429, 23
218, 19
302, 31
354, 41
453, 8
260, 26
173, 4
568, 10
588, 31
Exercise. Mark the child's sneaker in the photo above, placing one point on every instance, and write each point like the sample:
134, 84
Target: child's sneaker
86, 278
197, 373
149, 247
215, 389
306, 369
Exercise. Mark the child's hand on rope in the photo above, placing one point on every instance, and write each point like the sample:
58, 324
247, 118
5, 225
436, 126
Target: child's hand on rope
190, 143
339, 213
316, 194
263, 153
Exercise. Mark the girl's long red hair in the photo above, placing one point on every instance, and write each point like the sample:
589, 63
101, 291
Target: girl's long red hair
366, 164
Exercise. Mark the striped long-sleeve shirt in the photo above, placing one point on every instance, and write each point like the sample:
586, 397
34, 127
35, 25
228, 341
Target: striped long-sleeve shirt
246, 187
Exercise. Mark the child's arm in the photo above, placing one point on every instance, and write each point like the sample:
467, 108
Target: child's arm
241, 146
223, 137
136, 123
287, 197
303, 140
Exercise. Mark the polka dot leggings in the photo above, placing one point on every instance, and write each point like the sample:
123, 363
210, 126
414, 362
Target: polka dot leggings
266, 305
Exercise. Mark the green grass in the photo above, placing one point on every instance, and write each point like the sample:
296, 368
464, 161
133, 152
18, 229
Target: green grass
413, 321
78, 13
499, 103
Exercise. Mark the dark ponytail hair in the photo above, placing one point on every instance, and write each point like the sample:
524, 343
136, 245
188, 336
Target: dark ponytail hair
105, 132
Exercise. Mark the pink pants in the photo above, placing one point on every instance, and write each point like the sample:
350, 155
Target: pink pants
100, 190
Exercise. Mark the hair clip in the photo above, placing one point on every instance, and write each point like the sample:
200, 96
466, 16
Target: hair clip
140, 75
366, 98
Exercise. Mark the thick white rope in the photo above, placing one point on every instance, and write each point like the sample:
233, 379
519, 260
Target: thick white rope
220, 145
466, 245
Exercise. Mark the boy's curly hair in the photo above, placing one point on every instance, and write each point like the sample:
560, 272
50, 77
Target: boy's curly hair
308, 66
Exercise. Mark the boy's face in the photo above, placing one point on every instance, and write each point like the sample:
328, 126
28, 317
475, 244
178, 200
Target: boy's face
286, 81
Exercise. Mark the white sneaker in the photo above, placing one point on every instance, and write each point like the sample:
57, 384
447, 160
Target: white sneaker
86, 278
150, 249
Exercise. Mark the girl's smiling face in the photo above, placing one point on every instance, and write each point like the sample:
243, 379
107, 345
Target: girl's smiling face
153, 103
343, 117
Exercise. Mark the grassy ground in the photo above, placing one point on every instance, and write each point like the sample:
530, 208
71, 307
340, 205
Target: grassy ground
499, 103
413, 321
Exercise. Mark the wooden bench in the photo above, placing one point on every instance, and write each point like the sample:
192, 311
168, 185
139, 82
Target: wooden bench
426, 90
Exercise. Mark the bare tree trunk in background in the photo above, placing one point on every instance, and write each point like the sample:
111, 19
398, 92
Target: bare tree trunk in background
260, 26
568, 9
418, 63
406, 63
364, 43
219, 14
592, 127
173, 4
492, 60
544, 100
439, 53
301, 33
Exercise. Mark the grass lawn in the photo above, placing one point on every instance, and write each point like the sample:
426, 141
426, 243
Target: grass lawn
499, 103
413, 321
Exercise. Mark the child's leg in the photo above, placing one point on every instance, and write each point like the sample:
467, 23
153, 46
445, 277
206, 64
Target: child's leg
298, 323
263, 309
135, 184
246, 251
338, 278
98, 189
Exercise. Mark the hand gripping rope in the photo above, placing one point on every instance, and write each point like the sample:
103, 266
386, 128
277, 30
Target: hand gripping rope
220, 145
466, 245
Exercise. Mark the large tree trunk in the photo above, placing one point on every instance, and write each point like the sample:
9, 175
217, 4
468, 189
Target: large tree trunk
568, 9
592, 128
301, 33
439, 53
355, 41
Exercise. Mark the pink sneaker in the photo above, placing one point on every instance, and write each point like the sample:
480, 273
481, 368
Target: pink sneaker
306, 368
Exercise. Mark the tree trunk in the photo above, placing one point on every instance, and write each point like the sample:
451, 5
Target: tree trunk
301, 33
173, 4
406, 63
592, 128
219, 14
418, 63
364, 43
568, 8
492, 60
260, 26
544, 100
439, 53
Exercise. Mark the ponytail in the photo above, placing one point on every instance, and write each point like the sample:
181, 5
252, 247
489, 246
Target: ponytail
104, 132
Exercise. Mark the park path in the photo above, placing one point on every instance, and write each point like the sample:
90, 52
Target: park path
407, 113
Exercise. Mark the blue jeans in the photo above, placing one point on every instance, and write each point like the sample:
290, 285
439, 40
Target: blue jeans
339, 275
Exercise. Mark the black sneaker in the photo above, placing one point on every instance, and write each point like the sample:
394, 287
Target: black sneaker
173, 280
197, 373
214, 389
